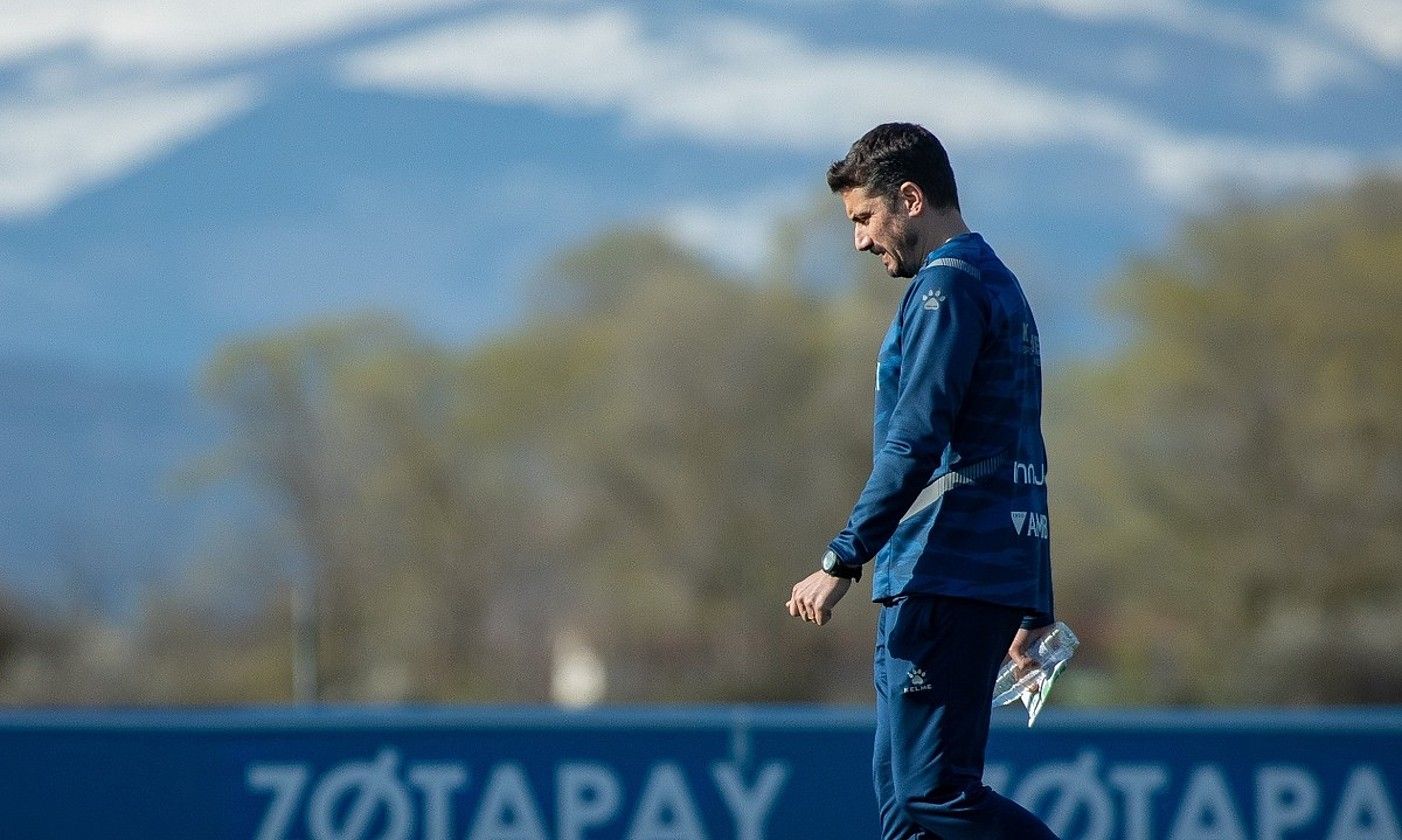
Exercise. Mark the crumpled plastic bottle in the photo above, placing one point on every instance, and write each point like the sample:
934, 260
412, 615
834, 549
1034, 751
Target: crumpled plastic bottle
1052, 652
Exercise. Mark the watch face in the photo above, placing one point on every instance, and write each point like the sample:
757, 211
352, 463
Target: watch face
834, 567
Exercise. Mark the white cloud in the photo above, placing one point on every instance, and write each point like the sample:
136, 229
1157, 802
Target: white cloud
584, 60
1374, 25
1189, 168
733, 83
729, 82
72, 125
1301, 66
49, 151
739, 235
184, 32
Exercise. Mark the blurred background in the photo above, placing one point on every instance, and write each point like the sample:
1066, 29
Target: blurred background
448, 351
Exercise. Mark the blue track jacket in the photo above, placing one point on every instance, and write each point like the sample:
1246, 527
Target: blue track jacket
957, 499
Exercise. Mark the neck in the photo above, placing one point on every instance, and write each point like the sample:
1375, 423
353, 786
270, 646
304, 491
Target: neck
939, 229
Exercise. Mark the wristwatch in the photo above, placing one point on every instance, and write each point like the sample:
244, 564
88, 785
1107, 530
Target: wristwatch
838, 569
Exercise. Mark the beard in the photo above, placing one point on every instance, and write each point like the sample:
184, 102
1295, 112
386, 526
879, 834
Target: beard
904, 260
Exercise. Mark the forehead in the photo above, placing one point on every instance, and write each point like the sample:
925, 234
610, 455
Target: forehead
857, 200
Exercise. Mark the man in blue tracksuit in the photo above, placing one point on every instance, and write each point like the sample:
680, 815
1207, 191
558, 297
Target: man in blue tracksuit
955, 512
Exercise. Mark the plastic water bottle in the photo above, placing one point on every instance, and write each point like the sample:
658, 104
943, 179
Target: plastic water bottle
1051, 651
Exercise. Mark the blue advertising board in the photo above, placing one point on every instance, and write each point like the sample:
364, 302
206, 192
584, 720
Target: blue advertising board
673, 774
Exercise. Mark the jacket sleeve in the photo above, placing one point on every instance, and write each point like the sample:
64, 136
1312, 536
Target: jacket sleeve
1033, 621
944, 319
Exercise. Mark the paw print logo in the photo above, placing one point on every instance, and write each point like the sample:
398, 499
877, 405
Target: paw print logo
918, 682
932, 299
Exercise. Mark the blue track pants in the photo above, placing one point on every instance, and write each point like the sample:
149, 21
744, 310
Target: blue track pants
936, 661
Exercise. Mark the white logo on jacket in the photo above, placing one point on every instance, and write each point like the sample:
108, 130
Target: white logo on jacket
1037, 524
932, 299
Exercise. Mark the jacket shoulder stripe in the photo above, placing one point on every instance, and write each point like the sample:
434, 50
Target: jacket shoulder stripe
957, 264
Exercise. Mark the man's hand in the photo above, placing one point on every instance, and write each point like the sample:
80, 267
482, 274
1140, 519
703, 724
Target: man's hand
814, 597
1023, 643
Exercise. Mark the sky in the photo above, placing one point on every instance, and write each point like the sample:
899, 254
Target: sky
112, 83
97, 88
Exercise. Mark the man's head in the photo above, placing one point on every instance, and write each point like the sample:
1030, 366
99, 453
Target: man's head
898, 189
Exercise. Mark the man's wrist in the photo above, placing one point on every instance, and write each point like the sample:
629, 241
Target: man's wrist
833, 565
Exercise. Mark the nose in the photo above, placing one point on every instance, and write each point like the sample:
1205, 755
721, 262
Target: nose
859, 239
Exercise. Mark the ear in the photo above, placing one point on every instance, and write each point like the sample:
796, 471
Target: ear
911, 198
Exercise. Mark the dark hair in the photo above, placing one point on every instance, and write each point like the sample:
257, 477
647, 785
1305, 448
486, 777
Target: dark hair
891, 154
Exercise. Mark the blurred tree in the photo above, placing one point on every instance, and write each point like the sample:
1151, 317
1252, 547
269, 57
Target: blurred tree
15, 625
1230, 487
352, 424
647, 469
715, 429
